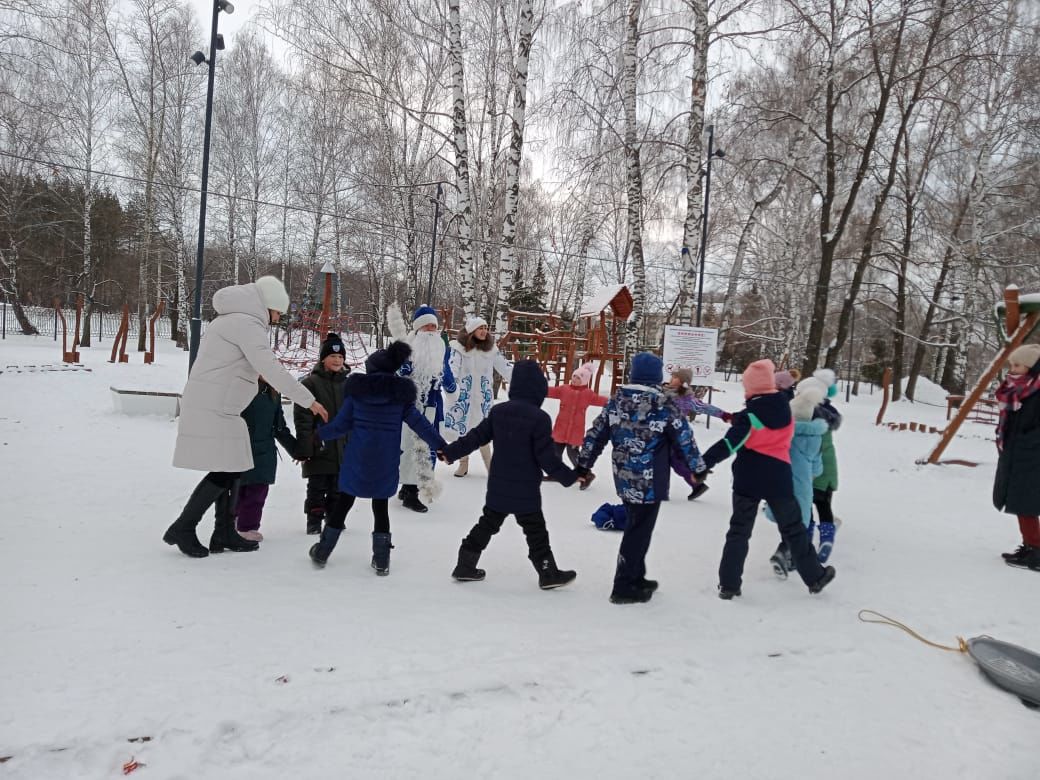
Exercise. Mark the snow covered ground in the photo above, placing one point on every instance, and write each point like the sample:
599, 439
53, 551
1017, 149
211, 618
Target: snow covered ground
258, 666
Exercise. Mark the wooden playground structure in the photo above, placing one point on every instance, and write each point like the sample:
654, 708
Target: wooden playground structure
595, 335
1016, 320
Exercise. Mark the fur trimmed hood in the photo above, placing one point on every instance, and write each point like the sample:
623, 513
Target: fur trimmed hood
380, 388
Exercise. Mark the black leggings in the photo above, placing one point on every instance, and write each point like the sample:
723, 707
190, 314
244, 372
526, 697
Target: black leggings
337, 514
822, 501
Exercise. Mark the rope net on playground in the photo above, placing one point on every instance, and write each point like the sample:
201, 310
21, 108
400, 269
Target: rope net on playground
298, 346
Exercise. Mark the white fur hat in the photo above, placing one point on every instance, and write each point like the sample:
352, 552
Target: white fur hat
472, 323
272, 293
826, 375
807, 396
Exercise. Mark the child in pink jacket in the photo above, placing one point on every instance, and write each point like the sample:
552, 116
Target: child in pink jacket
569, 431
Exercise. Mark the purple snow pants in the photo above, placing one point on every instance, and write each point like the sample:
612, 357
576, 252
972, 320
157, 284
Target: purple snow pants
250, 506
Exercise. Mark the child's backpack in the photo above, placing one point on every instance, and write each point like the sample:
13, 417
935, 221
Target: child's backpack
610, 517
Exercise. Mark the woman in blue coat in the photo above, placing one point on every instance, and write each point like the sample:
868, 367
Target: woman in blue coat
375, 406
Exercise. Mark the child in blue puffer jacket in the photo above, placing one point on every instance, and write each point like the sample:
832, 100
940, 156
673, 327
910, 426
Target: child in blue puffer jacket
644, 427
806, 462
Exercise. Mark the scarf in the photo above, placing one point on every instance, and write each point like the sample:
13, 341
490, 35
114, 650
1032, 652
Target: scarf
1015, 389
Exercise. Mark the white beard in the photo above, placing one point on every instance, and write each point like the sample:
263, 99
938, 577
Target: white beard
427, 360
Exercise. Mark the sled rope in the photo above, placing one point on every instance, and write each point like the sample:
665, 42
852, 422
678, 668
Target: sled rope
962, 646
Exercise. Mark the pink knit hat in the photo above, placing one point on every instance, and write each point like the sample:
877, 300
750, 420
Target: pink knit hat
758, 378
583, 373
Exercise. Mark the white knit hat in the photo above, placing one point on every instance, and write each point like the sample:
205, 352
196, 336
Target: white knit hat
272, 293
472, 323
1026, 355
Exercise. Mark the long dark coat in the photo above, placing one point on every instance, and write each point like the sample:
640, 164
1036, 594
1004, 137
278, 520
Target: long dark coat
328, 390
375, 406
1016, 488
266, 422
522, 434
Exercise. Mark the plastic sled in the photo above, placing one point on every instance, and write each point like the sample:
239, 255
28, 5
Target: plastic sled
1009, 666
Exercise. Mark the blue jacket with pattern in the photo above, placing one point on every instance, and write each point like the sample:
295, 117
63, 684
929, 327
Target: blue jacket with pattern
643, 426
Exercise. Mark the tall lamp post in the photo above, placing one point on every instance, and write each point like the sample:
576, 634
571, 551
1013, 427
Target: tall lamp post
433, 245
712, 152
216, 43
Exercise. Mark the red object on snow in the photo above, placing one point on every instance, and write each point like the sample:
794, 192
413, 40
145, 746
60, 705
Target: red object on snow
131, 765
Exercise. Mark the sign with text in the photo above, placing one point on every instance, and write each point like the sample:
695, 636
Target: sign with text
692, 348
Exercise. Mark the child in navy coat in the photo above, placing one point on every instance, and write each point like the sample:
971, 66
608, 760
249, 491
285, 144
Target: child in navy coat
522, 434
761, 438
375, 406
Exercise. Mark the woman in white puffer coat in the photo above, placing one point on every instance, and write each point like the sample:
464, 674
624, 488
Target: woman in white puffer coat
474, 359
211, 434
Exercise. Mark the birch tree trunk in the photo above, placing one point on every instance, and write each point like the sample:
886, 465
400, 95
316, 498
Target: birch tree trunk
507, 256
634, 180
461, 149
694, 169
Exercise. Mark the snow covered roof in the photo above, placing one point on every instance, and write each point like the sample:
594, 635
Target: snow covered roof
617, 297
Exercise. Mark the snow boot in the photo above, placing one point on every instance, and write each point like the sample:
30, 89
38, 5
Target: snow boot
381, 548
1019, 557
781, 561
726, 594
182, 532
650, 585
409, 495
225, 537
1029, 559
314, 521
824, 581
463, 468
826, 541
637, 595
699, 490
466, 569
549, 576
321, 551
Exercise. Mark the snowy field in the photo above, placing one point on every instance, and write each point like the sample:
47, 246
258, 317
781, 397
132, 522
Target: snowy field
250, 666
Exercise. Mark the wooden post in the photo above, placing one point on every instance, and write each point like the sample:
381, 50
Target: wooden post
886, 381
75, 335
1015, 340
66, 356
149, 356
119, 342
325, 318
1011, 310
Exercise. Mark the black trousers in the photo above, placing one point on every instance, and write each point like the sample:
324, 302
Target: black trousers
337, 514
321, 494
788, 519
822, 501
571, 450
631, 563
490, 523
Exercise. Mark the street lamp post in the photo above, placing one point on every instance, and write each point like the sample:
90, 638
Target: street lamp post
712, 152
216, 43
433, 244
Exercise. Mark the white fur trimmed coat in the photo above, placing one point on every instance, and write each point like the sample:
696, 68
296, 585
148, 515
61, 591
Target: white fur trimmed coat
467, 407
235, 351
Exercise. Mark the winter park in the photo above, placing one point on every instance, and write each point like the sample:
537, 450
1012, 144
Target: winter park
570, 388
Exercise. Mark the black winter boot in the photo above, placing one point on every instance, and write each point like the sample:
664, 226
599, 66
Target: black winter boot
321, 551
466, 569
225, 537
381, 548
824, 581
549, 576
409, 495
182, 532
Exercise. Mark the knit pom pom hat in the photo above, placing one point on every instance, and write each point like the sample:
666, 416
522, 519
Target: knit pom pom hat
332, 345
583, 373
389, 360
272, 293
758, 378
